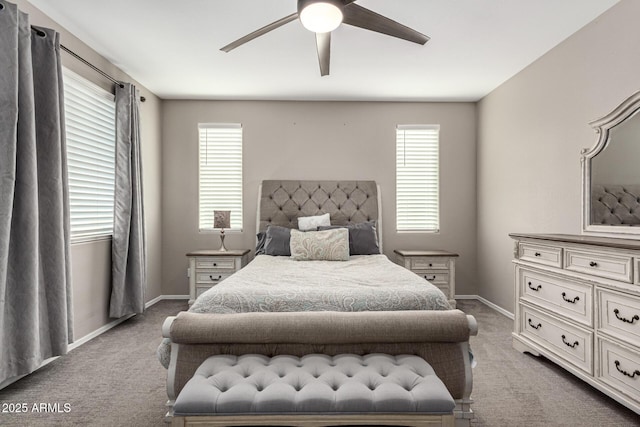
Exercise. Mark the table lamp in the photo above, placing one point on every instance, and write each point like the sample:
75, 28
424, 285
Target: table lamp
222, 220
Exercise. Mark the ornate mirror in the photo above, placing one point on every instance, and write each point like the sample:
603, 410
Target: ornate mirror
611, 173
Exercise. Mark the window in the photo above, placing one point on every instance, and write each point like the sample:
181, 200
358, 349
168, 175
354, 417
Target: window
220, 177
417, 188
90, 127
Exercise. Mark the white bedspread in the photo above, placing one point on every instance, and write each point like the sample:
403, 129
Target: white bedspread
364, 283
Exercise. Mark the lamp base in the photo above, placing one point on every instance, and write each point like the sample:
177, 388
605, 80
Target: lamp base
222, 247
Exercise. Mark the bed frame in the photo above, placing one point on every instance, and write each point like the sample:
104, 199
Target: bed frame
439, 337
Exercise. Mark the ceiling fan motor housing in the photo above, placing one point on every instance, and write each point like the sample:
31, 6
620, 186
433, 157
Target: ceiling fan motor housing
304, 3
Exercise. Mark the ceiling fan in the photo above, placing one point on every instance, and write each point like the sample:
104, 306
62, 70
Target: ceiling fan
324, 16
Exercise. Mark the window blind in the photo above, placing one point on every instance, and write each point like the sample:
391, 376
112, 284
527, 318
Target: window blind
220, 172
417, 186
90, 129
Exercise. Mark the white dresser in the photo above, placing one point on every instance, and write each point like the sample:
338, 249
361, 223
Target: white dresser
578, 304
438, 267
207, 268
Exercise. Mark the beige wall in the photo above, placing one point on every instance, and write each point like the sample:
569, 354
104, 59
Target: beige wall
317, 140
530, 134
91, 262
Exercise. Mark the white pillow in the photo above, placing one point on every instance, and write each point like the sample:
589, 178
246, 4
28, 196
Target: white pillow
307, 223
327, 245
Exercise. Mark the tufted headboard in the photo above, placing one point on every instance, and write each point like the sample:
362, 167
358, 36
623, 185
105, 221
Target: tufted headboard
615, 204
347, 202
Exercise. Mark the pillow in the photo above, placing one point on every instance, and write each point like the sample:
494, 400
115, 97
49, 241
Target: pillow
363, 239
326, 245
262, 237
306, 223
277, 241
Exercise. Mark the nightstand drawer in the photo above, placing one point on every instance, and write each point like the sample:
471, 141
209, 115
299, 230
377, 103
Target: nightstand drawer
620, 316
219, 263
434, 277
211, 277
427, 263
567, 341
566, 297
616, 267
547, 255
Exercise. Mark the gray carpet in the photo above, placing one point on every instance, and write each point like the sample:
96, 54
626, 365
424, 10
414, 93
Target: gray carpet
115, 380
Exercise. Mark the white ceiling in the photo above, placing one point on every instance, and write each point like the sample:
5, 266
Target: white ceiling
172, 47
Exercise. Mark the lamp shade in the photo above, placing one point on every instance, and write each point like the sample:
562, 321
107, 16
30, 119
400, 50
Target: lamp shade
221, 219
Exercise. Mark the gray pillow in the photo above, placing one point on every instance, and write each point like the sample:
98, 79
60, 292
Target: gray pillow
363, 239
277, 241
262, 237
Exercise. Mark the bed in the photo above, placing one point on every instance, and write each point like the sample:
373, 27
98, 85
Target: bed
360, 304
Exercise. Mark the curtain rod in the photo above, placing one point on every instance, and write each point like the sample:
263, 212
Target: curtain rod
94, 68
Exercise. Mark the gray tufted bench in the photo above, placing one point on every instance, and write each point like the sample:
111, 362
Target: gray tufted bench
314, 390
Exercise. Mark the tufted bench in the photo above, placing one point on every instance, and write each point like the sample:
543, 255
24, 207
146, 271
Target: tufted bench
314, 390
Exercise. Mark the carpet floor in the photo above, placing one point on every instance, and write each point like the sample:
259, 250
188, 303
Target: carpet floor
115, 380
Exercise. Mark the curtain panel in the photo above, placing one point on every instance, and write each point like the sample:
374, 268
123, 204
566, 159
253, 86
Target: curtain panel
128, 250
35, 282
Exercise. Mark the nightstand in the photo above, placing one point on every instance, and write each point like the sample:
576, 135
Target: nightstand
207, 268
438, 267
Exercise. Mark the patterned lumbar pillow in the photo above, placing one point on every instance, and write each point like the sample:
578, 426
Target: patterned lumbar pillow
306, 223
328, 245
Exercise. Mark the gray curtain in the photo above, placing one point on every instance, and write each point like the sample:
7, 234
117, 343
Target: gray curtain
35, 284
129, 272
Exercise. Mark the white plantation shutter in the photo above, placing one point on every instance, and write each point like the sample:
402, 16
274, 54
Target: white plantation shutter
417, 187
90, 128
220, 178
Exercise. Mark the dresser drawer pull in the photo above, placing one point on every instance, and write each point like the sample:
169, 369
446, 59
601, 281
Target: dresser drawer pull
633, 319
568, 343
593, 264
537, 288
623, 372
537, 254
534, 326
215, 279
572, 301
430, 277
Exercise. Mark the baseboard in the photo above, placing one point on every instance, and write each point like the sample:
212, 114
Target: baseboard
77, 343
488, 304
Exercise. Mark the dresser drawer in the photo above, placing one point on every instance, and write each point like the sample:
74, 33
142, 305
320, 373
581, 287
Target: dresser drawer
429, 263
619, 368
616, 267
564, 340
619, 315
541, 254
566, 297
201, 289
219, 263
211, 277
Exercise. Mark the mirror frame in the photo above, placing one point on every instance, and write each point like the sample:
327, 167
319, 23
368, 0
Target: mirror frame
602, 128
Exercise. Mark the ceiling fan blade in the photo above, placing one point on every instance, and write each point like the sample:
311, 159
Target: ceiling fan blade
260, 32
323, 43
361, 17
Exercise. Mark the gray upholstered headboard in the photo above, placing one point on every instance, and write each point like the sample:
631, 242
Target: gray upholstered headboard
347, 202
615, 204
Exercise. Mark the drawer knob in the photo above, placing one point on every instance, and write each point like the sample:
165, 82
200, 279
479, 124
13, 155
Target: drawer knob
537, 288
537, 254
538, 326
572, 301
593, 264
430, 277
215, 279
623, 372
430, 265
568, 344
633, 319
215, 264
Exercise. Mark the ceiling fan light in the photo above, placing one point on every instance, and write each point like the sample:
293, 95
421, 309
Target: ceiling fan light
321, 17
